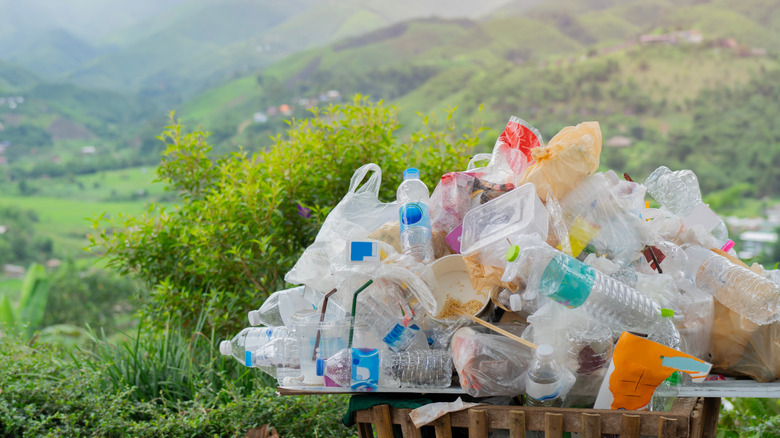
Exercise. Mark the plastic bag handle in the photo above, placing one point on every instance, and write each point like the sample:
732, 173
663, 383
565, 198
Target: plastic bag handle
478, 157
373, 183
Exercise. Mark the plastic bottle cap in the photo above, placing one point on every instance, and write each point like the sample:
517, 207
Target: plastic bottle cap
225, 348
512, 253
254, 318
544, 351
667, 313
248, 358
411, 173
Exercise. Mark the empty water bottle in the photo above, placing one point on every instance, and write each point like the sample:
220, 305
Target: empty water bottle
279, 358
573, 283
753, 296
279, 307
416, 236
415, 369
544, 384
667, 334
679, 192
249, 340
666, 393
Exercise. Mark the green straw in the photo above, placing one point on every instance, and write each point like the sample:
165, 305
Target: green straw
354, 306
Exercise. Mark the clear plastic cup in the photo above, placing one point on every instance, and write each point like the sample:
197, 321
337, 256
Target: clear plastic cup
333, 336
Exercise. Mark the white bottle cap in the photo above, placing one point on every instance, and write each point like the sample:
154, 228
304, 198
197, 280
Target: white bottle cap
254, 318
225, 348
516, 302
544, 351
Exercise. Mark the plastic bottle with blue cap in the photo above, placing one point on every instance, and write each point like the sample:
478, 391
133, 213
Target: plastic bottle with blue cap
250, 339
415, 217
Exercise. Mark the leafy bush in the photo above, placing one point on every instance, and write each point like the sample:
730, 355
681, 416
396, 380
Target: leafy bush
244, 220
43, 394
749, 417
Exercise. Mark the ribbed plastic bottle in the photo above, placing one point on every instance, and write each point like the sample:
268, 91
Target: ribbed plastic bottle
679, 192
249, 340
573, 284
415, 217
390, 329
415, 369
544, 380
753, 296
667, 334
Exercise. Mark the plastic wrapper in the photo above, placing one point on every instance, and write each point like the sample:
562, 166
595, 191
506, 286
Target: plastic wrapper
359, 214
582, 344
489, 229
604, 212
430, 412
568, 158
489, 364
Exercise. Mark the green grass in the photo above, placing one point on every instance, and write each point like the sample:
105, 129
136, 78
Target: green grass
11, 287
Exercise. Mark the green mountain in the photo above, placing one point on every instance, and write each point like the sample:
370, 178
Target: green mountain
552, 63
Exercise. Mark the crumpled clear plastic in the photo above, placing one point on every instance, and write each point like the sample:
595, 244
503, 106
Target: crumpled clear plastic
356, 216
489, 364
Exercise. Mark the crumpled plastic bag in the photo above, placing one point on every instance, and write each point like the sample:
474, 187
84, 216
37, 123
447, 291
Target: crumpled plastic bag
489, 364
568, 158
430, 412
359, 214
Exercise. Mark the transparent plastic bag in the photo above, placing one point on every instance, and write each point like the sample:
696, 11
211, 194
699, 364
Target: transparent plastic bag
489, 364
568, 158
359, 214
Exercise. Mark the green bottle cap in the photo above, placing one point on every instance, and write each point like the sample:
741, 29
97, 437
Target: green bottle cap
512, 253
667, 313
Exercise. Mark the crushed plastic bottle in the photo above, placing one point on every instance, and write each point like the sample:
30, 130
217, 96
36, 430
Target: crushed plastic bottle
416, 235
390, 329
415, 369
753, 296
679, 192
573, 284
544, 380
249, 340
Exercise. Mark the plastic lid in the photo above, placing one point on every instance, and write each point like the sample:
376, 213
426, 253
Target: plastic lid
248, 358
411, 173
667, 313
254, 318
225, 348
544, 351
512, 253
675, 379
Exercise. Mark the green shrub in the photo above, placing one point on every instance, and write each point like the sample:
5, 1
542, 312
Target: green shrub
44, 394
241, 222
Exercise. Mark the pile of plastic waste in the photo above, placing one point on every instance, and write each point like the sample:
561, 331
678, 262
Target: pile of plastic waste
534, 276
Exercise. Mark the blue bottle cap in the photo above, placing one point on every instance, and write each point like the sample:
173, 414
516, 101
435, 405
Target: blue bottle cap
320, 365
248, 358
411, 173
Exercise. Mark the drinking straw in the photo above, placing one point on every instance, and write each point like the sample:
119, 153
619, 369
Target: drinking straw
354, 307
322, 318
498, 329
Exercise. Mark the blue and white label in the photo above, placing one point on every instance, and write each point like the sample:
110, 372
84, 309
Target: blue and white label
363, 251
365, 369
414, 214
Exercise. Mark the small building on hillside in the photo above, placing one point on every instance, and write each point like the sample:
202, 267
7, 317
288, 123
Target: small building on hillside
755, 243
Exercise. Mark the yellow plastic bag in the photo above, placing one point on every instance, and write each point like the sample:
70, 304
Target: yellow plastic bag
570, 156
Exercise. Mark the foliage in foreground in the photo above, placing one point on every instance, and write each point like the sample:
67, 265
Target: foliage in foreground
45, 393
244, 220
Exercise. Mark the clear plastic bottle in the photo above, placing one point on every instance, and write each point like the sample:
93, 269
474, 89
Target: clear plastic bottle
666, 394
279, 307
753, 296
249, 340
667, 334
279, 358
573, 284
416, 235
390, 329
415, 369
679, 192
544, 380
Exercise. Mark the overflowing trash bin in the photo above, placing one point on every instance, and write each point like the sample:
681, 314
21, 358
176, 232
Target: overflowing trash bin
535, 279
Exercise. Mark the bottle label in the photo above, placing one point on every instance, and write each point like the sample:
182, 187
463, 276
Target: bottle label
567, 281
543, 391
365, 369
414, 214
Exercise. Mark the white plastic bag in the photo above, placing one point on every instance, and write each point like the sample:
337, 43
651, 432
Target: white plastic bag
358, 214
